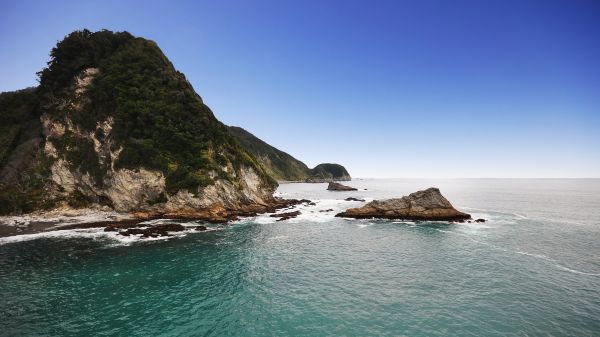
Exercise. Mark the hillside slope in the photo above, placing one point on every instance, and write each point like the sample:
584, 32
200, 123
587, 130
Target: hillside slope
278, 164
113, 123
283, 166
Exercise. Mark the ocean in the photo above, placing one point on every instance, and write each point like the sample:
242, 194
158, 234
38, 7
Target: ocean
533, 269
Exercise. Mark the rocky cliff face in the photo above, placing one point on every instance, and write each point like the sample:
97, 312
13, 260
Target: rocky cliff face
428, 204
121, 128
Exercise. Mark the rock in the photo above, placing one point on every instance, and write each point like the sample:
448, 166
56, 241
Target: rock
327, 210
201, 228
422, 205
480, 220
286, 216
154, 231
339, 187
353, 199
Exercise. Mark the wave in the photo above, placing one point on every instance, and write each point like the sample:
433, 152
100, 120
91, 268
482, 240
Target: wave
536, 256
99, 233
575, 271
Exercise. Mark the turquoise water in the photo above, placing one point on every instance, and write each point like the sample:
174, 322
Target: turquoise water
533, 269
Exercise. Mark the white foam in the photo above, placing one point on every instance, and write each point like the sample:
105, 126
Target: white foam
576, 271
98, 233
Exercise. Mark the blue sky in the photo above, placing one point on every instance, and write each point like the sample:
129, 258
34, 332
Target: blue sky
386, 88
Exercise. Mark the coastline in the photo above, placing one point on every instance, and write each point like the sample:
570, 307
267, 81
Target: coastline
97, 217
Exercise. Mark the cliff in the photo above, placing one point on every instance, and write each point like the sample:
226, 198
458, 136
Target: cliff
113, 123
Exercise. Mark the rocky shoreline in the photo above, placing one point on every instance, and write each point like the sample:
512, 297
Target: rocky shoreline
136, 222
426, 205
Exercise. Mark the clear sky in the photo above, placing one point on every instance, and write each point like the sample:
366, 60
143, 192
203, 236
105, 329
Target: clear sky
387, 88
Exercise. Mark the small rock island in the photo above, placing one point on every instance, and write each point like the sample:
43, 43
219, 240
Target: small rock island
339, 187
429, 204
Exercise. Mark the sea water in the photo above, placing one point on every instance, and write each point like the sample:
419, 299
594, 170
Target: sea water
532, 269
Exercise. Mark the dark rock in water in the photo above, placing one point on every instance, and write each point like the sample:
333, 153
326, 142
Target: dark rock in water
326, 210
286, 216
339, 187
201, 228
422, 205
353, 199
480, 220
154, 231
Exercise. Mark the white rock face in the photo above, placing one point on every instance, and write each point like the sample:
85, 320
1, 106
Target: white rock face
129, 190
223, 192
62, 175
140, 189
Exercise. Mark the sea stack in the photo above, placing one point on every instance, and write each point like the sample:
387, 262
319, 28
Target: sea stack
429, 204
339, 187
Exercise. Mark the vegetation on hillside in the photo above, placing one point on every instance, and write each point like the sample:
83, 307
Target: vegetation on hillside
276, 163
23, 169
158, 118
328, 171
19, 113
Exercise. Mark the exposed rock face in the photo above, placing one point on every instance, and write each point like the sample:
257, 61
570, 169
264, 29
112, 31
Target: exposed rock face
324, 173
91, 149
339, 187
422, 205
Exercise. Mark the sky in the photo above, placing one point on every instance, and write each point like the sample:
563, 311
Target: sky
406, 89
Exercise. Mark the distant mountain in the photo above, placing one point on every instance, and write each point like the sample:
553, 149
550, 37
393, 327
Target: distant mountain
324, 173
283, 166
276, 163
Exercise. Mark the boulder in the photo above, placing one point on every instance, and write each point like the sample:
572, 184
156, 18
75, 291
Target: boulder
339, 187
285, 216
354, 199
429, 204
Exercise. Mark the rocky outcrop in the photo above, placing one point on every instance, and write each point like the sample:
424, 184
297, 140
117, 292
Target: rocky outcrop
286, 215
123, 152
422, 205
339, 187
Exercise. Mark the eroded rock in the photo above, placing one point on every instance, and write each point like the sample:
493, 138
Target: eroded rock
422, 205
339, 187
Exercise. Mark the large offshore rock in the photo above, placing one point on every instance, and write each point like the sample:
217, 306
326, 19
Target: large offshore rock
429, 204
